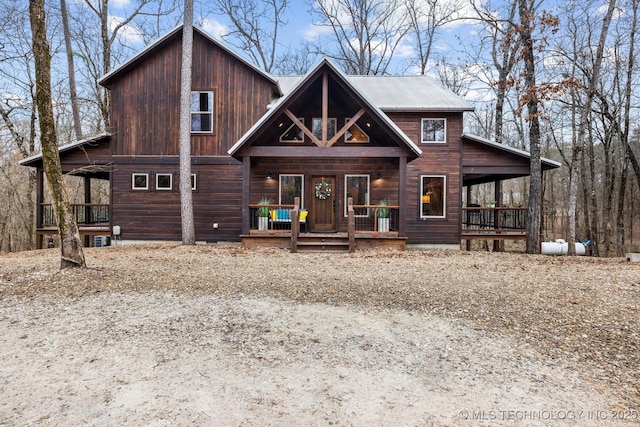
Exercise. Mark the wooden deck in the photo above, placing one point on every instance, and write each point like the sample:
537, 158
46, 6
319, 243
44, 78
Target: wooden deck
322, 242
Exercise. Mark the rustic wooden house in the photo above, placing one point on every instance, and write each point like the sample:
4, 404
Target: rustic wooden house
322, 161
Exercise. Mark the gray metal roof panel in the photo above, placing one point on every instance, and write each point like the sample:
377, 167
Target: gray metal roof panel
398, 93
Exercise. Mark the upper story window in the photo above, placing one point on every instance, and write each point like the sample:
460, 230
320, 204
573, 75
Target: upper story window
331, 128
293, 133
355, 133
201, 112
434, 131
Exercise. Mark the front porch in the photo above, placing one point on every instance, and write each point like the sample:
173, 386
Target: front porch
368, 227
92, 220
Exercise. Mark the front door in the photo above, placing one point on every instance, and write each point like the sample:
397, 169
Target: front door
323, 205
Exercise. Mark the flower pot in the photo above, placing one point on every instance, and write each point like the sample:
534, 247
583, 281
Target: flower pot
383, 225
263, 223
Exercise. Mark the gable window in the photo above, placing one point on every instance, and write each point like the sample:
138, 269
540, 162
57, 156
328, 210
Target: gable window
201, 112
356, 186
433, 196
355, 133
434, 130
293, 133
140, 181
331, 128
163, 181
291, 186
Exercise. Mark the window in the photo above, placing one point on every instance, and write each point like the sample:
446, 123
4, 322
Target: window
293, 133
434, 130
357, 186
291, 186
201, 112
163, 181
433, 196
355, 133
193, 182
140, 181
317, 128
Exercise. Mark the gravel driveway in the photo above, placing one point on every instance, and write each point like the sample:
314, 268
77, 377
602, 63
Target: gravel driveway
214, 335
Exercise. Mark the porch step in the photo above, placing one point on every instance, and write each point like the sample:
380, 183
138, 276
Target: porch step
323, 244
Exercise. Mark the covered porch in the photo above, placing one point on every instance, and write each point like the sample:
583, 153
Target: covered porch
368, 227
483, 162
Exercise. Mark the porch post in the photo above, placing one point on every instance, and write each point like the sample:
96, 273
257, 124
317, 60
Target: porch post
402, 195
88, 210
467, 241
498, 245
39, 202
246, 193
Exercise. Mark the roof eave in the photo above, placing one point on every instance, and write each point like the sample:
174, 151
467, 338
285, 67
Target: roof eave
66, 147
552, 164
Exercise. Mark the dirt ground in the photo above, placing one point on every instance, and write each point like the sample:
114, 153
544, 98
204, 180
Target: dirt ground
213, 335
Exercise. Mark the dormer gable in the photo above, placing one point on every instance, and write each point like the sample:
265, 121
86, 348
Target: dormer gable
323, 111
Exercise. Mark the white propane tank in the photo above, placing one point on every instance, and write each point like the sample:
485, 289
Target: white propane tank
561, 247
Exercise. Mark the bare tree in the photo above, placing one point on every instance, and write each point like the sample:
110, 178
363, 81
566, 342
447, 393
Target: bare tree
578, 143
256, 27
71, 248
77, 125
366, 33
425, 19
186, 199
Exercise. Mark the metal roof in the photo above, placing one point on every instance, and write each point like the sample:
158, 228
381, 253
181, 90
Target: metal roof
398, 93
292, 84
67, 147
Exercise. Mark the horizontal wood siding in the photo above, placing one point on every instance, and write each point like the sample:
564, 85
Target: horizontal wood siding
155, 214
145, 101
436, 159
385, 188
480, 158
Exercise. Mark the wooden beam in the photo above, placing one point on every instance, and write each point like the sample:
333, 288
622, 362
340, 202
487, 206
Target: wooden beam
358, 151
402, 195
246, 194
304, 129
325, 107
346, 127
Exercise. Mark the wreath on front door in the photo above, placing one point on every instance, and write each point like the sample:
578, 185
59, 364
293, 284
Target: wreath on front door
323, 190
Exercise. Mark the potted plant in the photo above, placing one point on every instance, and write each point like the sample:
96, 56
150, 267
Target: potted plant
263, 214
383, 215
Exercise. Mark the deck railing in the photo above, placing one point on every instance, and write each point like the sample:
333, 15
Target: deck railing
494, 219
86, 214
367, 218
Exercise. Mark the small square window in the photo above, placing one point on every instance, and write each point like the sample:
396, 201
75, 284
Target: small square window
140, 181
434, 131
163, 181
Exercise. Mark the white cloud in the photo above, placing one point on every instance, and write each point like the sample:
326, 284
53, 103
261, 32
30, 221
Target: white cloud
127, 32
214, 27
119, 4
313, 32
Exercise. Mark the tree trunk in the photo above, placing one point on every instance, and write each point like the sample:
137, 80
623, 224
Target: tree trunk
77, 125
620, 212
186, 199
582, 128
71, 249
535, 166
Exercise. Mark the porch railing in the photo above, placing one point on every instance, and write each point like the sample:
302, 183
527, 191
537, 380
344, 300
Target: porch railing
367, 218
494, 219
85, 215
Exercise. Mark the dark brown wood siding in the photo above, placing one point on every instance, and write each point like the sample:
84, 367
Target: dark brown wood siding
436, 159
155, 214
384, 188
145, 101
